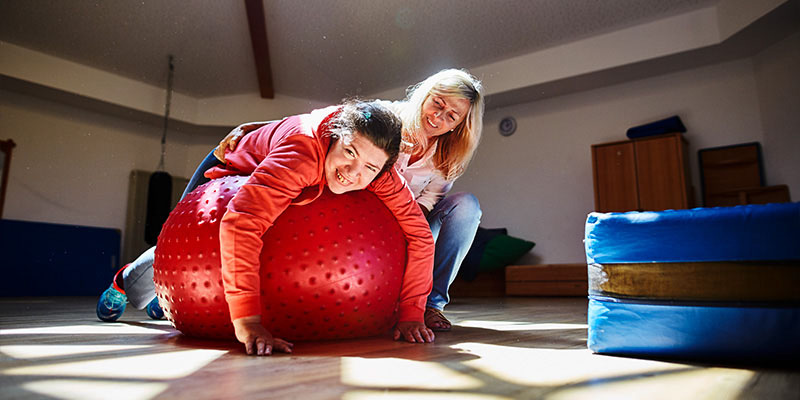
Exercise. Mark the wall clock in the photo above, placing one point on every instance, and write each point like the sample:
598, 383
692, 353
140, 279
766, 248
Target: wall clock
507, 126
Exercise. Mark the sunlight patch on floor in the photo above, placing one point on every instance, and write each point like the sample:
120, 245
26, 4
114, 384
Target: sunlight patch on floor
553, 367
160, 366
30, 352
93, 329
414, 395
507, 326
160, 322
399, 373
93, 389
705, 383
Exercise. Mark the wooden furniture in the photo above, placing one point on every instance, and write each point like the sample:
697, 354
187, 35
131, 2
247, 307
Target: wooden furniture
525, 280
734, 175
646, 174
547, 280
750, 195
485, 284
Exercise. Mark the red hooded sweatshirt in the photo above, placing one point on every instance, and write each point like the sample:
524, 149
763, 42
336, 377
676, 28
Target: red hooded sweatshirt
285, 163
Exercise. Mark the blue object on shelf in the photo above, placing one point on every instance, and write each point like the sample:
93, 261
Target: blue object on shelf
666, 125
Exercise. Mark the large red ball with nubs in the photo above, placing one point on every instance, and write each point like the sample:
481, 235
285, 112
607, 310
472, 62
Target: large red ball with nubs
329, 269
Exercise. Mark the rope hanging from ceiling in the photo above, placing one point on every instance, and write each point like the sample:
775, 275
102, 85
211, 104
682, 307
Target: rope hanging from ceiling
159, 189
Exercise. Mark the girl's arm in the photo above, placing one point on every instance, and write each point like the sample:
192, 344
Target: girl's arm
280, 177
391, 188
257, 340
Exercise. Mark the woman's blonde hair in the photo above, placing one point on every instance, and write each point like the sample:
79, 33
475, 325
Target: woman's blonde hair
455, 148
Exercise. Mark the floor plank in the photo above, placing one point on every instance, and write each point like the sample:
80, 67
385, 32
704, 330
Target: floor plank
500, 348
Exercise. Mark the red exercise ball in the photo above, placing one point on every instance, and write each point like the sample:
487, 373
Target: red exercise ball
329, 269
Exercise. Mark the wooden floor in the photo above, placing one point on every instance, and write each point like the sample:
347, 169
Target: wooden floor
500, 348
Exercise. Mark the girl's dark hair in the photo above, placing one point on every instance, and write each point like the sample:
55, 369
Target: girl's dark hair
376, 122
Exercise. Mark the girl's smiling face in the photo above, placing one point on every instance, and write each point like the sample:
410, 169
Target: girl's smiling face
352, 164
440, 114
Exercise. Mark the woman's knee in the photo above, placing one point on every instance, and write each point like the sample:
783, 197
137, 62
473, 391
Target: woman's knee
466, 205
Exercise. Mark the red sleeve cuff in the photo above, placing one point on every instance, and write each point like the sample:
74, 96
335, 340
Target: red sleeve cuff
244, 306
409, 313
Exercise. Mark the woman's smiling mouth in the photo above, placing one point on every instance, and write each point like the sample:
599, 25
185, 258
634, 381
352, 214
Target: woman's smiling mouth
431, 123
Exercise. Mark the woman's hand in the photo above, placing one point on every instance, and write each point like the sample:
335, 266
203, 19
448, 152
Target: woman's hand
232, 138
257, 340
414, 332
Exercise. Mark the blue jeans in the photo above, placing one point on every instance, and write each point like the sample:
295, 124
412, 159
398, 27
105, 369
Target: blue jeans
454, 221
138, 277
198, 178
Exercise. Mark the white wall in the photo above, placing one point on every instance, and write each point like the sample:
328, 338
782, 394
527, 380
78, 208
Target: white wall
776, 71
538, 182
71, 166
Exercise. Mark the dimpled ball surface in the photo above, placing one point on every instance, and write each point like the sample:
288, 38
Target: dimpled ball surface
329, 269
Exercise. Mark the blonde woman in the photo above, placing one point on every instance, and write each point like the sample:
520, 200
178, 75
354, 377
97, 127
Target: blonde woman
442, 123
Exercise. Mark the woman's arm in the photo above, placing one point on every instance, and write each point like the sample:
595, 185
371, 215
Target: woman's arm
434, 191
230, 140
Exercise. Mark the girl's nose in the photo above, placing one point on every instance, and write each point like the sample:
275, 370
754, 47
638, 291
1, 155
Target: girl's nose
353, 169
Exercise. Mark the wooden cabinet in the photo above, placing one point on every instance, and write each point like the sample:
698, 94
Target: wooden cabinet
647, 174
734, 175
614, 167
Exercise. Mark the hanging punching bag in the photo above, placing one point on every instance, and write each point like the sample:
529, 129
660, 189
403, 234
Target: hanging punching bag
159, 199
159, 189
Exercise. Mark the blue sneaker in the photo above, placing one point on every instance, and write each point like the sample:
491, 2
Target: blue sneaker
154, 310
112, 302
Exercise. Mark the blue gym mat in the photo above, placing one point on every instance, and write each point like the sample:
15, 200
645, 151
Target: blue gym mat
740, 233
718, 332
43, 259
736, 331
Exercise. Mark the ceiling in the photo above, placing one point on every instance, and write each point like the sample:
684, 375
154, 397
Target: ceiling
319, 49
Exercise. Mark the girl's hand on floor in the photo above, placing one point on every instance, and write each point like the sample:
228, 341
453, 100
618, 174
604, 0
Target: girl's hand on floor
257, 340
414, 332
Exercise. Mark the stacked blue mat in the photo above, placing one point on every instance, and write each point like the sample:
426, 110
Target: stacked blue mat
760, 326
